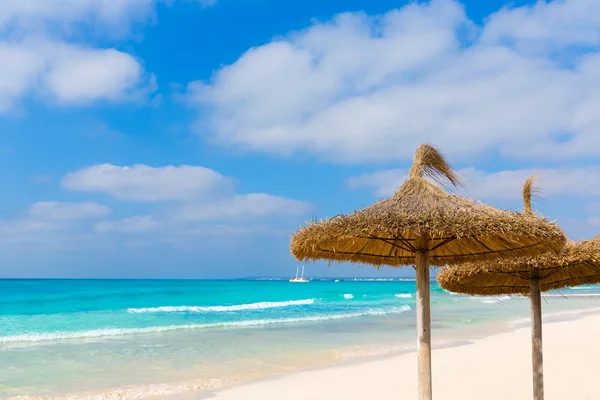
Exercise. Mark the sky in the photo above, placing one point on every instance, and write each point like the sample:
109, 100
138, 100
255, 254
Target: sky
190, 138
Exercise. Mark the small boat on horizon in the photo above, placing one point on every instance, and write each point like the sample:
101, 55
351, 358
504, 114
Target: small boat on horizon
300, 279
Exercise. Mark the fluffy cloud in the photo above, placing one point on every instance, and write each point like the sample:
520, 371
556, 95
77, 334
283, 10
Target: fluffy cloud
50, 222
140, 224
57, 211
546, 25
200, 194
36, 15
497, 186
112, 17
83, 75
240, 207
370, 89
68, 74
25, 227
149, 184
39, 57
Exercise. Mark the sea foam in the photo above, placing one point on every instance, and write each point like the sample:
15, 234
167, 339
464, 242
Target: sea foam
98, 333
403, 295
208, 309
348, 296
491, 299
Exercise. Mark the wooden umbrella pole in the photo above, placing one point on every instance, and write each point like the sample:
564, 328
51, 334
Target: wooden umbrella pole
423, 319
536, 338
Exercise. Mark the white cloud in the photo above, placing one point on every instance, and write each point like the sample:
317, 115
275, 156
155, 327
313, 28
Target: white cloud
113, 15
24, 227
18, 70
57, 211
249, 206
149, 184
50, 222
583, 182
201, 196
39, 56
139, 224
544, 25
84, 75
359, 89
43, 15
68, 74
39, 235
498, 186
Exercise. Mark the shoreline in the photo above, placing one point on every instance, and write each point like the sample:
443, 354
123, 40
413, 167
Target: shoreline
475, 336
213, 388
395, 374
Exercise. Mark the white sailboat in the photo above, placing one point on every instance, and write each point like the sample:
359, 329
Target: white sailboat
301, 278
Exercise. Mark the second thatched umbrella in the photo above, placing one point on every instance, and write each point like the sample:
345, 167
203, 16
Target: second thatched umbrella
422, 225
578, 264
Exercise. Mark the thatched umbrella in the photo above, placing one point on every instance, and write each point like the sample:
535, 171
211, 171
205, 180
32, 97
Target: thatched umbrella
577, 264
422, 225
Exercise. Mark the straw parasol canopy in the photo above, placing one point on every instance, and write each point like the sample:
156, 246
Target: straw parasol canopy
458, 230
423, 225
577, 264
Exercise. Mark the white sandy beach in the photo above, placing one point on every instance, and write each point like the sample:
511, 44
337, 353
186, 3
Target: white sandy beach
493, 368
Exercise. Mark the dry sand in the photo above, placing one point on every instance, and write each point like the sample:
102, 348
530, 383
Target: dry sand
496, 367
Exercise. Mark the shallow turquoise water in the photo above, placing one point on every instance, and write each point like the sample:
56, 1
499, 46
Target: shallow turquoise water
62, 337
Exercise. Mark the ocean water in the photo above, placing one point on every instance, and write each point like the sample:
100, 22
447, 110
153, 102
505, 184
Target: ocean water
100, 339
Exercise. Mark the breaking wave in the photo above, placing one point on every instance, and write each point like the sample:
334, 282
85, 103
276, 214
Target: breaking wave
207, 309
98, 333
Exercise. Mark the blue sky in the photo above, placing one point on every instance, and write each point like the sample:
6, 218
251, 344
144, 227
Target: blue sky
189, 138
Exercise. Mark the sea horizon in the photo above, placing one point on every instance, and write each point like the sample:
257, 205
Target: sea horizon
220, 279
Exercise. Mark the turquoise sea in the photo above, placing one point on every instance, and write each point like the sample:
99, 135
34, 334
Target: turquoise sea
99, 339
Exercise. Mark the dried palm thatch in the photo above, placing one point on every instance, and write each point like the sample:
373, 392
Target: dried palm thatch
423, 225
577, 264
458, 230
